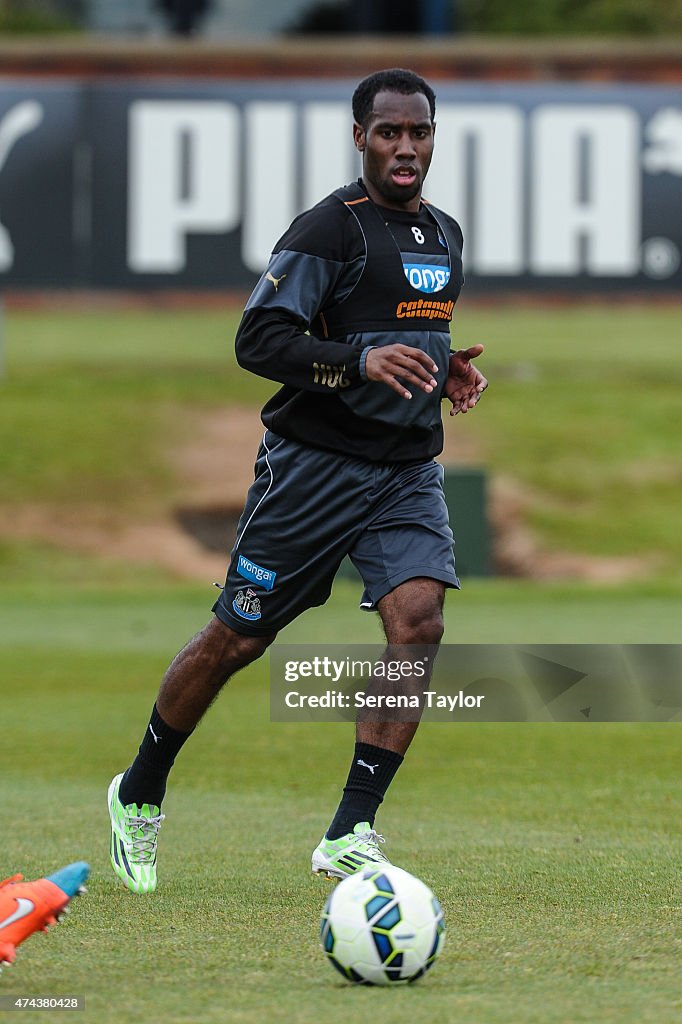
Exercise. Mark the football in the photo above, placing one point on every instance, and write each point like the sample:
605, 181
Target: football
382, 926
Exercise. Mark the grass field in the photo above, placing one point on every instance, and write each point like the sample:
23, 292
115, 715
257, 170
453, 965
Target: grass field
554, 848
582, 413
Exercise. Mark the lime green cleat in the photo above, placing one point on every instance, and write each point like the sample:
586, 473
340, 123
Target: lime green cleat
339, 858
134, 835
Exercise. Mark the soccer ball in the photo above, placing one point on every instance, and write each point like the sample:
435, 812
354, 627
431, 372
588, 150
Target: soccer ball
382, 926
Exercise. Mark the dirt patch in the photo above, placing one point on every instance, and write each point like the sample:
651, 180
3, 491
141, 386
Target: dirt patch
516, 551
215, 469
215, 465
162, 543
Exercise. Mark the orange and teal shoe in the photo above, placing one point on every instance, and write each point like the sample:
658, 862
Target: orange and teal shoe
28, 907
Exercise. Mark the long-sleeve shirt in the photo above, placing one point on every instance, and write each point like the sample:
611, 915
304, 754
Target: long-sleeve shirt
347, 277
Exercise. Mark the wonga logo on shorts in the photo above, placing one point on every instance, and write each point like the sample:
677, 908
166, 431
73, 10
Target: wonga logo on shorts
256, 573
426, 277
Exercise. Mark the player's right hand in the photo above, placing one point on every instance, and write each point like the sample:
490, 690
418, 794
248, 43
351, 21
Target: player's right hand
398, 365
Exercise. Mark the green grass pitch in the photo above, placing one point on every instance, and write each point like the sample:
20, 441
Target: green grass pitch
554, 848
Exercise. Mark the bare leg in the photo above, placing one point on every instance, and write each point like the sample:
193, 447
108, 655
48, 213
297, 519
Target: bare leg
200, 670
192, 682
411, 614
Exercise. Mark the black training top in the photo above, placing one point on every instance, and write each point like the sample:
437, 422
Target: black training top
348, 276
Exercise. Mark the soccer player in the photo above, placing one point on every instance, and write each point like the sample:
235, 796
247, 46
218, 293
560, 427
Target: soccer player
28, 907
352, 318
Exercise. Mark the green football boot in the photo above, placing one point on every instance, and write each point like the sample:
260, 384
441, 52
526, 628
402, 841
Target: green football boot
134, 835
339, 858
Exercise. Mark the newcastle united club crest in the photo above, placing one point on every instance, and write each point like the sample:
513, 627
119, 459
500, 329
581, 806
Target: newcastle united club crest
247, 604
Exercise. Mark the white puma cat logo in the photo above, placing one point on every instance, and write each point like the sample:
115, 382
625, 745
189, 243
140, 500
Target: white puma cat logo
156, 738
364, 764
275, 280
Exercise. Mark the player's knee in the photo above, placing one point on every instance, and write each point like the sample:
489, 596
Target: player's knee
420, 627
430, 629
235, 650
246, 649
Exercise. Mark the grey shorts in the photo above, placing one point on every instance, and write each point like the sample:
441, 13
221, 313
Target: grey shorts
307, 509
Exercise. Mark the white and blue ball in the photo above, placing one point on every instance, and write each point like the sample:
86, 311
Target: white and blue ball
382, 926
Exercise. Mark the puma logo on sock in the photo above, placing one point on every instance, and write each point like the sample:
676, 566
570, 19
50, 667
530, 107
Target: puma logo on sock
156, 738
364, 764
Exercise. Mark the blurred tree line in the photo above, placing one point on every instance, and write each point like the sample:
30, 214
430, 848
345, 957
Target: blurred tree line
570, 17
387, 17
40, 16
494, 17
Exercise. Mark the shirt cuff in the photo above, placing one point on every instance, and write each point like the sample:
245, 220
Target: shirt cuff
363, 359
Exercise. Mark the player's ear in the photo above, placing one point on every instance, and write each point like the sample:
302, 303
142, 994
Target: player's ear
359, 137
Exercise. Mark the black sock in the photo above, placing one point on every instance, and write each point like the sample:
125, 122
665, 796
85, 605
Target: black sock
145, 780
370, 775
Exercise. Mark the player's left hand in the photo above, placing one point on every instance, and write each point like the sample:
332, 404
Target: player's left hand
465, 384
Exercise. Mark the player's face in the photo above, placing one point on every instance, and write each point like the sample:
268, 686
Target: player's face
396, 148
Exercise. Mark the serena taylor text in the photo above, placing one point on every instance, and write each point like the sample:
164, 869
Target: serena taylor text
339, 699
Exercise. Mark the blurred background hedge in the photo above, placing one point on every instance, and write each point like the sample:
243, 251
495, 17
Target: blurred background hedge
445, 17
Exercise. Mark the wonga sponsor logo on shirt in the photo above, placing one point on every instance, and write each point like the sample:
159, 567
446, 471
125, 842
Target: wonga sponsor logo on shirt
425, 277
428, 272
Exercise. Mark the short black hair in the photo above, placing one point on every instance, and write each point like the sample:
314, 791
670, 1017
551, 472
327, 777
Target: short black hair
392, 80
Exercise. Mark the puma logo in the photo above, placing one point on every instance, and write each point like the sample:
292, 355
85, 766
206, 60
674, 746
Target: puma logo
275, 280
156, 738
363, 764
